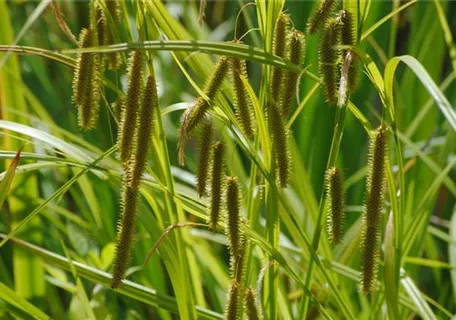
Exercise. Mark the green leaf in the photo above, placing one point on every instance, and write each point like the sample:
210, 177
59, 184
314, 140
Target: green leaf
429, 84
391, 290
5, 183
17, 301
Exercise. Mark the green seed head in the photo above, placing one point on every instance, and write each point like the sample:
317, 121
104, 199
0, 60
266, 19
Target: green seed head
376, 177
114, 58
215, 81
144, 131
296, 51
191, 118
217, 185
125, 233
280, 148
243, 104
128, 121
369, 258
373, 206
235, 236
336, 202
205, 157
87, 82
348, 37
252, 309
280, 35
321, 15
233, 302
329, 59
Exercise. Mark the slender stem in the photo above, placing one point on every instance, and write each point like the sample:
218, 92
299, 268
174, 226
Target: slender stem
335, 146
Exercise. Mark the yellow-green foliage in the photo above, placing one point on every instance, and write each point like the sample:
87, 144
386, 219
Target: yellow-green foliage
329, 57
205, 158
87, 82
336, 203
128, 116
373, 206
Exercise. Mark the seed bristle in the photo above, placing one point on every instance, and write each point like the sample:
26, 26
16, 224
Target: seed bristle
280, 148
205, 157
217, 185
321, 15
372, 211
125, 233
329, 58
129, 115
296, 51
144, 131
336, 204
242, 101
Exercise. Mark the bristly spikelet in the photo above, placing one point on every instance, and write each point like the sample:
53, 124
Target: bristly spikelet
191, 118
128, 121
217, 184
252, 310
348, 38
215, 81
101, 24
144, 131
233, 302
280, 34
242, 102
373, 205
336, 202
370, 238
125, 233
280, 148
235, 236
205, 157
113, 6
296, 51
329, 59
87, 82
321, 15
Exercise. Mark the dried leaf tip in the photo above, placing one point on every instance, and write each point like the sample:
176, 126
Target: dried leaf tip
336, 202
348, 38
